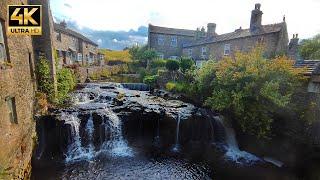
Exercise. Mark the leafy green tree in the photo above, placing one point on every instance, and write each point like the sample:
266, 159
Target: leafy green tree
172, 65
310, 48
186, 64
250, 88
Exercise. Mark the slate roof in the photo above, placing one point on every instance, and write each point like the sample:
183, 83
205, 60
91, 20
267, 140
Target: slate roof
240, 33
60, 28
313, 66
172, 31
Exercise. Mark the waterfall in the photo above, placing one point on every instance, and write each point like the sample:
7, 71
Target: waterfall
158, 129
233, 152
75, 150
176, 146
90, 129
116, 144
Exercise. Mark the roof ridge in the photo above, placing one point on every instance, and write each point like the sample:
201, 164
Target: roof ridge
74, 33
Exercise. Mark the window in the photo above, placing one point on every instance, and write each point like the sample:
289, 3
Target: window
160, 55
261, 40
3, 54
203, 52
227, 49
199, 64
74, 42
79, 57
173, 57
190, 52
174, 42
11, 103
161, 40
59, 36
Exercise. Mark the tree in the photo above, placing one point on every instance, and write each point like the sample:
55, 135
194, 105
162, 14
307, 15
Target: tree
250, 88
186, 64
172, 65
310, 48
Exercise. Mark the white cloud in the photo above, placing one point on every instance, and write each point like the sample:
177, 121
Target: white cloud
227, 14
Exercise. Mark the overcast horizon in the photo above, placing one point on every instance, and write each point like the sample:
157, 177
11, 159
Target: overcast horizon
125, 15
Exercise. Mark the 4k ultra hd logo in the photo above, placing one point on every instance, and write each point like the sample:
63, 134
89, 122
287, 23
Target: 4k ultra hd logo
25, 20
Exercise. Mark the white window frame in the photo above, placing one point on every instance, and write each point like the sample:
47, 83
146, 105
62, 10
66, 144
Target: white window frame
227, 49
3, 52
174, 41
190, 52
79, 57
160, 40
160, 55
200, 63
203, 52
173, 57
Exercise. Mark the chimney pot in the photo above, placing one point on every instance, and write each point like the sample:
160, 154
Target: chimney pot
211, 29
257, 6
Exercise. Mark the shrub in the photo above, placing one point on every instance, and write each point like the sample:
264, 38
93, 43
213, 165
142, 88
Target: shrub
180, 87
186, 64
172, 65
310, 49
158, 63
45, 82
66, 83
170, 86
150, 80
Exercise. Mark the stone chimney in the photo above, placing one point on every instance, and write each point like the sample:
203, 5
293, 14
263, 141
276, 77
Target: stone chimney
211, 29
256, 18
63, 24
293, 49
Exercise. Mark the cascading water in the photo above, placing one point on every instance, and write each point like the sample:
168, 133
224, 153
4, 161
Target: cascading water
75, 150
116, 144
89, 130
176, 146
233, 152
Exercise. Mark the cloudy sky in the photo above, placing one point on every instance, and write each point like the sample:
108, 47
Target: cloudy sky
302, 16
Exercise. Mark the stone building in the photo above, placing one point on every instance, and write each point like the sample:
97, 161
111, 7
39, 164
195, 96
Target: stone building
73, 47
202, 45
17, 87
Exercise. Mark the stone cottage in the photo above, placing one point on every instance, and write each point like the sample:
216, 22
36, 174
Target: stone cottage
17, 87
202, 44
73, 47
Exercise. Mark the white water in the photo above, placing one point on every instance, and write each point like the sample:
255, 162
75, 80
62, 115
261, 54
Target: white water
75, 150
233, 152
116, 145
90, 129
273, 161
176, 146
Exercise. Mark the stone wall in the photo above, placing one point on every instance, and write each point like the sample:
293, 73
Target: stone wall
166, 49
44, 43
70, 45
216, 50
16, 80
64, 46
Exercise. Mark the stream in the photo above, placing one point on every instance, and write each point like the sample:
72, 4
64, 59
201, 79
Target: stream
122, 131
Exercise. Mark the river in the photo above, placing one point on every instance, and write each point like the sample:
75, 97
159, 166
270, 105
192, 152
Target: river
116, 131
